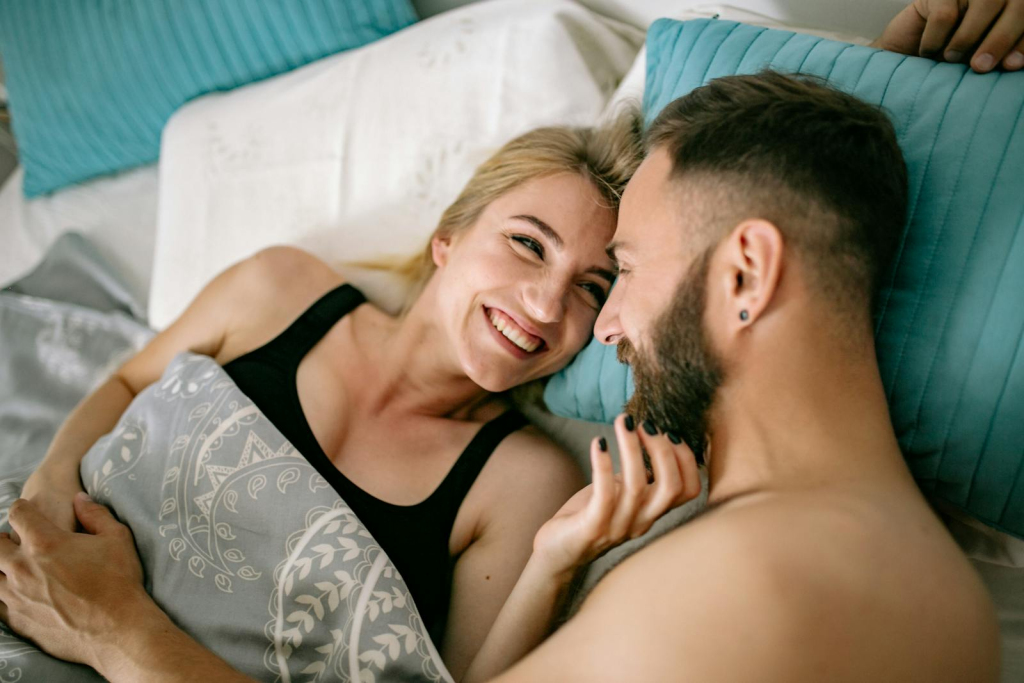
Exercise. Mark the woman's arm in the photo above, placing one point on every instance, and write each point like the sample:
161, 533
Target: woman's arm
202, 328
613, 509
987, 33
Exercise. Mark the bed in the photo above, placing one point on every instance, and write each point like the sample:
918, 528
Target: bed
328, 156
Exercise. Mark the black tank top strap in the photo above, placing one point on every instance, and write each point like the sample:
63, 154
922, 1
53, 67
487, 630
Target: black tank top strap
471, 462
292, 345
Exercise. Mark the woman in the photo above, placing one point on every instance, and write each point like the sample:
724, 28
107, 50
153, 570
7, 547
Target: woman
506, 293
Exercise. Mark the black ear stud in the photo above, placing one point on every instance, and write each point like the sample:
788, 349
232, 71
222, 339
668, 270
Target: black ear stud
744, 315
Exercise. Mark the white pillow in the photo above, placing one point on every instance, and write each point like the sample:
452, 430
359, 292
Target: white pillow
357, 155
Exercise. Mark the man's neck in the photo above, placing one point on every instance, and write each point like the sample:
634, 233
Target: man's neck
802, 411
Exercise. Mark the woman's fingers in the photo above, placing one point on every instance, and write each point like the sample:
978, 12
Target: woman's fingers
601, 505
633, 481
667, 489
676, 479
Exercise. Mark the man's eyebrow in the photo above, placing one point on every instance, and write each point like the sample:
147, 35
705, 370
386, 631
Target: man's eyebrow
546, 229
614, 247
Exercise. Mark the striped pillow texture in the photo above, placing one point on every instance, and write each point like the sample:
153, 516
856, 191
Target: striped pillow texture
92, 82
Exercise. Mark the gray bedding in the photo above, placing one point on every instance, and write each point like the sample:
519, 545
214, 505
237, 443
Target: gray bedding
242, 542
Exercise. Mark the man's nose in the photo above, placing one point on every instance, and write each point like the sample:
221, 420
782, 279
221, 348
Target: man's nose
608, 329
545, 300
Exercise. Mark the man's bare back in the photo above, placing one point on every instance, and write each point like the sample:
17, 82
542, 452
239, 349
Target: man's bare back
832, 584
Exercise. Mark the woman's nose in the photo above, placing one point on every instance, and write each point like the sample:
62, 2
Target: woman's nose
546, 300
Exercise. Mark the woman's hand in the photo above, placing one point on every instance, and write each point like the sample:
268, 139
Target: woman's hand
985, 32
618, 507
53, 494
70, 593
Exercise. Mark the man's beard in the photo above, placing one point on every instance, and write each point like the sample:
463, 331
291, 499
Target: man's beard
676, 383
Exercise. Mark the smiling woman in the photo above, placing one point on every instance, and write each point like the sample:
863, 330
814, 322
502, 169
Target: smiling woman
404, 418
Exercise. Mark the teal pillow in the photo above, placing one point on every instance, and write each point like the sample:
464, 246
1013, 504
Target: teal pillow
950, 324
92, 82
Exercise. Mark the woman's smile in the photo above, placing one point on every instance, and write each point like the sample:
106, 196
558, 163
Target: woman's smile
511, 335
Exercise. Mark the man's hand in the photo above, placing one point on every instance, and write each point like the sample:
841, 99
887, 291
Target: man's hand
68, 592
987, 33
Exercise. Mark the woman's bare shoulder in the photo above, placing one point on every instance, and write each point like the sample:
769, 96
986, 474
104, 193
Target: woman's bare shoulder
271, 289
528, 460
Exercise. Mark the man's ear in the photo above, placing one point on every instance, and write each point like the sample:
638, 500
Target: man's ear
753, 254
440, 246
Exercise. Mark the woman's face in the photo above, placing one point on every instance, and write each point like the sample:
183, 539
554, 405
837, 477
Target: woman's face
518, 292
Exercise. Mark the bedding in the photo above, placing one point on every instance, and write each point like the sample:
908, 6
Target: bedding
356, 156
116, 213
950, 326
91, 84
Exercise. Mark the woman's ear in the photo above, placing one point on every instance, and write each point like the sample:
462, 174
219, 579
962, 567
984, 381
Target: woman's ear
440, 246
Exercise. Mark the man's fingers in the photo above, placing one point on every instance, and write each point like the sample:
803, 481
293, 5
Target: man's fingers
8, 550
942, 18
28, 522
976, 21
1015, 60
95, 518
1004, 36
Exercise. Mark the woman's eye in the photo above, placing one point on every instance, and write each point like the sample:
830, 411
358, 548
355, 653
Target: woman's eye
531, 244
596, 291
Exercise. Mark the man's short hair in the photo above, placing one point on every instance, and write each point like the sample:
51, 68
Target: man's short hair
822, 165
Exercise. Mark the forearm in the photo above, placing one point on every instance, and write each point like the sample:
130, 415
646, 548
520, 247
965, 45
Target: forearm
94, 417
153, 650
525, 620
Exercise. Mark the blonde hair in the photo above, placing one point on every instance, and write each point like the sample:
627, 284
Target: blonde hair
606, 155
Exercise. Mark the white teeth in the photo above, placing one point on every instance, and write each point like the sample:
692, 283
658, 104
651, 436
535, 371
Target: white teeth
512, 335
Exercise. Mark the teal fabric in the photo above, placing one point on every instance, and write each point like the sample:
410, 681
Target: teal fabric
950, 325
91, 83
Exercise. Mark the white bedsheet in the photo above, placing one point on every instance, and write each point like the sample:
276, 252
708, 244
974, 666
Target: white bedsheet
118, 213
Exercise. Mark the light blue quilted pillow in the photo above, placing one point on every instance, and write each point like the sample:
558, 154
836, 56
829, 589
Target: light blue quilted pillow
92, 82
950, 324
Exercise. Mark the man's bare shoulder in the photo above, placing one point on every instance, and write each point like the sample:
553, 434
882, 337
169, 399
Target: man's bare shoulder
779, 590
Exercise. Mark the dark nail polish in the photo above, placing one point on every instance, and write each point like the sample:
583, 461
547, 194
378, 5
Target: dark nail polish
674, 439
629, 423
602, 443
650, 428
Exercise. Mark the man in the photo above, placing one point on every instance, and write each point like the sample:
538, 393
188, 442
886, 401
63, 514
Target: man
749, 244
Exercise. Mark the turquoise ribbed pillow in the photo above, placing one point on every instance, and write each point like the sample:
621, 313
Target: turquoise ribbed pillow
950, 326
92, 82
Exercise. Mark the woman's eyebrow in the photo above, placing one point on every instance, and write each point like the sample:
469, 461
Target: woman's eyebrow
546, 229
603, 273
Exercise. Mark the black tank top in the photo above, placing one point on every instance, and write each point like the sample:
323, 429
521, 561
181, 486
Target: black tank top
415, 537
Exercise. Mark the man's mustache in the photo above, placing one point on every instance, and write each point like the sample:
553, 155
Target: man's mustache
625, 352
